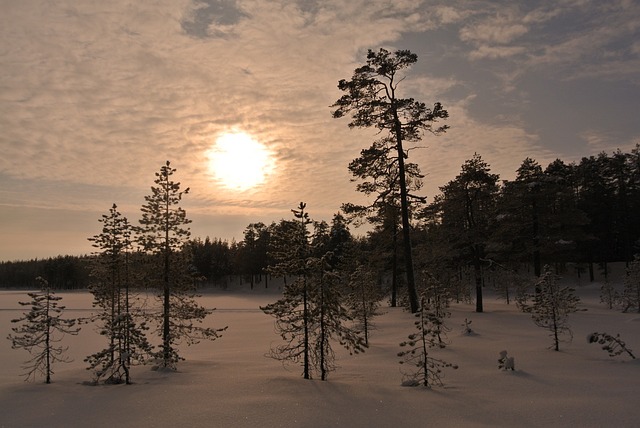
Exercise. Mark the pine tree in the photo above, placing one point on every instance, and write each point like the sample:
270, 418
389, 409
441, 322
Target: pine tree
164, 235
127, 342
42, 329
551, 306
364, 299
310, 313
438, 298
372, 99
424, 368
377, 168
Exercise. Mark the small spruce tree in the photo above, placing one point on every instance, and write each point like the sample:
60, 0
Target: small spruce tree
551, 306
41, 331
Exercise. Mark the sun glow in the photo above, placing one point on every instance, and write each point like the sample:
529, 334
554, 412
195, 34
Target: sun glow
239, 162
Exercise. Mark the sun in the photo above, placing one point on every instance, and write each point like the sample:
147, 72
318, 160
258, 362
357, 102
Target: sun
239, 162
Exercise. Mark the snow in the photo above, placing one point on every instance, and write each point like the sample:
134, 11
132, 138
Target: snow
230, 382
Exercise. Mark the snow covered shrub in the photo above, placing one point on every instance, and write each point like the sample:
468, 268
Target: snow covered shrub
613, 345
424, 369
467, 327
551, 306
506, 362
42, 330
631, 293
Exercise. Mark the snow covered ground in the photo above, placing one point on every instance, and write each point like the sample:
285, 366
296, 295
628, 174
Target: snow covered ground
230, 383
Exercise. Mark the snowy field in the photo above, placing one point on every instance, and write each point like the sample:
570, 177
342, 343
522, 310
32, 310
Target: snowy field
230, 383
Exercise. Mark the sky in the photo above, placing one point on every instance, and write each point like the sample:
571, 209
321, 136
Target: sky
96, 96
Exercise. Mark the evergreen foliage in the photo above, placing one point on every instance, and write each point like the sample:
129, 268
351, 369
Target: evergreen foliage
164, 235
424, 369
364, 299
126, 340
551, 306
372, 100
41, 331
465, 211
377, 168
467, 330
437, 296
311, 312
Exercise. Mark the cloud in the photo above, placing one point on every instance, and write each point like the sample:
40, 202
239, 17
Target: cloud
95, 96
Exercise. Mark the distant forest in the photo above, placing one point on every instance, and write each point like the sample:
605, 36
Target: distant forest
579, 216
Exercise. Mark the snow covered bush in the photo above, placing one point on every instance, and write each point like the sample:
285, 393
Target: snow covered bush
506, 362
613, 345
467, 327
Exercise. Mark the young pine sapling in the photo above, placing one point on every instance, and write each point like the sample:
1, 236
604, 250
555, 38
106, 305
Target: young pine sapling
41, 331
426, 370
551, 306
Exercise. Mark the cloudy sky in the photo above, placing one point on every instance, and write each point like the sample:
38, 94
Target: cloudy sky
96, 95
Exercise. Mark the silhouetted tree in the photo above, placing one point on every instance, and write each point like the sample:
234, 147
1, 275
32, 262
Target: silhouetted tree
311, 311
41, 330
254, 249
466, 210
372, 100
212, 258
110, 287
377, 167
163, 233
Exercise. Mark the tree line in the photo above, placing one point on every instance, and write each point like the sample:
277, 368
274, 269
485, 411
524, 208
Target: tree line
586, 213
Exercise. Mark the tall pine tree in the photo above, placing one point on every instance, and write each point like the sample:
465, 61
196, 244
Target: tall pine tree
372, 99
164, 234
